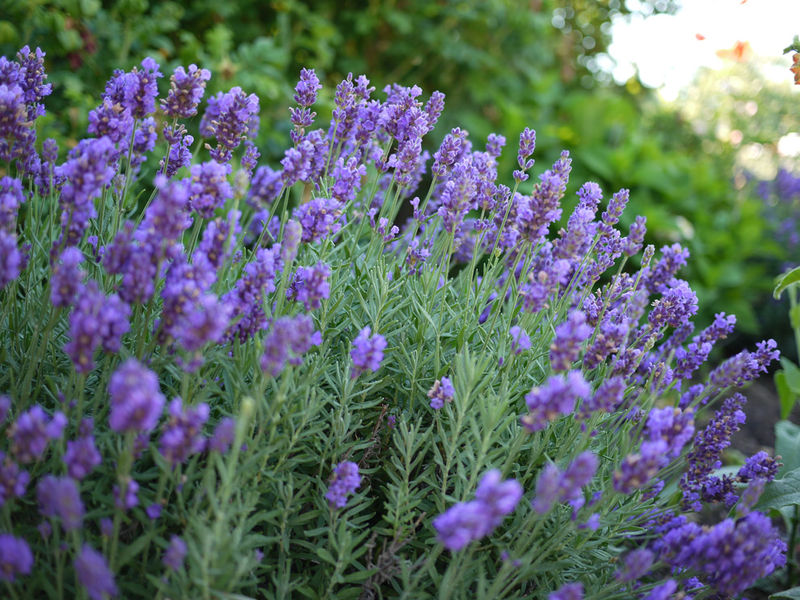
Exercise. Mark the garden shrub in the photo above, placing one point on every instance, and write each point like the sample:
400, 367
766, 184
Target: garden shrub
238, 380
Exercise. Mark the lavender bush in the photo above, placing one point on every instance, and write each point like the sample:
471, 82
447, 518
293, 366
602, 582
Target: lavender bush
230, 380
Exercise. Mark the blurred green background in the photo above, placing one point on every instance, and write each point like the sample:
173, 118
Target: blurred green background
504, 65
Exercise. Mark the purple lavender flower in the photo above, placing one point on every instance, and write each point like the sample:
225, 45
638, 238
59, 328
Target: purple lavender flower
672, 425
554, 485
636, 565
759, 466
66, 279
306, 161
81, 456
5, 406
127, 499
494, 144
557, 396
569, 591
16, 557
16, 135
32, 431
106, 527
59, 497
180, 151
574, 242
250, 158
663, 591
500, 497
292, 233
288, 339
658, 277
468, 521
608, 341
344, 481
136, 399
519, 339
11, 259
89, 168
111, 120
265, 186
449, 152
745, 366
441, 392
367, 352
186, 89
204, 322
13, 481
730, 556
319, 218
750, 496
635, 239
458, 195
183, 433
11, 198
676, 307
543, 282
310, 286
434, 108
141, 89
639, 468
175, 553
96, 319
305, 92
567, 342
416, 256
462, 523
93, 574
616, 206
707, 449
229, 118
607, 397
209, 188
247, 295
31, 78
689, 359
305, 96
527, 144
347, 178
223, 436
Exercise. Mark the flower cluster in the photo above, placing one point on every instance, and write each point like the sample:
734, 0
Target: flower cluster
344, 481
468, 521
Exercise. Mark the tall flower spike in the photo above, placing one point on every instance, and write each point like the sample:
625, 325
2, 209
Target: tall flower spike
136, 399
185, 92
93, 574
345, 481
367, 352
557, 396
441, 393
527, 144
16, 557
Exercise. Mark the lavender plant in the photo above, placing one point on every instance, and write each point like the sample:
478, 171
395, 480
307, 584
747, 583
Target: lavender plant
234, 380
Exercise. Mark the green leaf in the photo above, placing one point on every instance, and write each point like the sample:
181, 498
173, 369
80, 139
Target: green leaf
787, 397
326, 556
781, 492
794, 317
787, 445
792, 593
787, 279
792, 374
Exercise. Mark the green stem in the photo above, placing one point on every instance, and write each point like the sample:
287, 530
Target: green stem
790, 563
